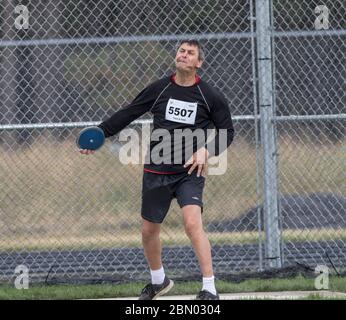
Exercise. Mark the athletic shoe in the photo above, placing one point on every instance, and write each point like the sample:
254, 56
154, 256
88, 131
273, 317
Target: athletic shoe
206, 295
152, 291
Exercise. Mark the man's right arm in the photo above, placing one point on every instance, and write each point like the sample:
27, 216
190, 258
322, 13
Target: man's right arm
122, 118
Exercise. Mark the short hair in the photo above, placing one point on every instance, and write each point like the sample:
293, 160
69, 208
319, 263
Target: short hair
194, 43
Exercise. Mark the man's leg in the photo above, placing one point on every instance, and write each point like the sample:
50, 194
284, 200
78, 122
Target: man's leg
151, 243
160, 284
194, 230
156, 199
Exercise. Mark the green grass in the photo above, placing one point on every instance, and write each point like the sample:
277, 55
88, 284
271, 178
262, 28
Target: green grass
132, 289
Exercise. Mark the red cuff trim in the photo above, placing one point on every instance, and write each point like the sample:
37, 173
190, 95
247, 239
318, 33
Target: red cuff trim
160, 172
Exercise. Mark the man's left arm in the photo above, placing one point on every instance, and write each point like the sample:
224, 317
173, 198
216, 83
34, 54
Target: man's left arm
222, 119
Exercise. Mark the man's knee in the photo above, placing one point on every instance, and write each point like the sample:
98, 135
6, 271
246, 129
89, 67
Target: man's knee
192, 221
192, 228
150, 230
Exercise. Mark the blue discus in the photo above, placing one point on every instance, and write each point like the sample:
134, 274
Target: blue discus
91, 138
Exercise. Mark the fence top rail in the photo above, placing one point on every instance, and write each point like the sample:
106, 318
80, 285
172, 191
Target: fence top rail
308, 33
129, 39
6, 127
341, 116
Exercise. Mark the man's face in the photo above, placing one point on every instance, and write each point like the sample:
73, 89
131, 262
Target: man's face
186, 58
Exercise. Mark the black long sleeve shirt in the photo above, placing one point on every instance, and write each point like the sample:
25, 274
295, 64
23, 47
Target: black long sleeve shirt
175, 108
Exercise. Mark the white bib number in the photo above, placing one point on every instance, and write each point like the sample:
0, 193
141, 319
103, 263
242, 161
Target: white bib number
181, 111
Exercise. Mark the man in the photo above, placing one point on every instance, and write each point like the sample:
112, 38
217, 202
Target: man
181, 101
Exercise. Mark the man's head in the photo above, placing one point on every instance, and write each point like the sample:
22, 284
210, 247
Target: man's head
189, 56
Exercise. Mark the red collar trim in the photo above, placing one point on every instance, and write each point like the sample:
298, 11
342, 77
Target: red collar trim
197, 79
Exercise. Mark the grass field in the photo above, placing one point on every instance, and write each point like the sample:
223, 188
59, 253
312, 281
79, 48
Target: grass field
181, 288
53, 197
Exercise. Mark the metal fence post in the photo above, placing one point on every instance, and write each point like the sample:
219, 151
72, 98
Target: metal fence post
266, 103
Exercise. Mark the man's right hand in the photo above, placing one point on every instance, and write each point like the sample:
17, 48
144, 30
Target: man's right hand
84, 151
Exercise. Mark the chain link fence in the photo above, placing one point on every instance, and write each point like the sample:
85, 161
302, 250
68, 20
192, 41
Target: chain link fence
65, 65
309, 71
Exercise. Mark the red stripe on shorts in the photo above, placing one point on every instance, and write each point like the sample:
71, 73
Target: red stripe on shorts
158, 172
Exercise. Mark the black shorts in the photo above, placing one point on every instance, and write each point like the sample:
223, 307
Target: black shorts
158, 190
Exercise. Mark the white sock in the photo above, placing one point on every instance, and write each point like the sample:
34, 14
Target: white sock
209, 285
157, 276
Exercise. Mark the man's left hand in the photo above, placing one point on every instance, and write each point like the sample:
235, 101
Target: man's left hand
198, 160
